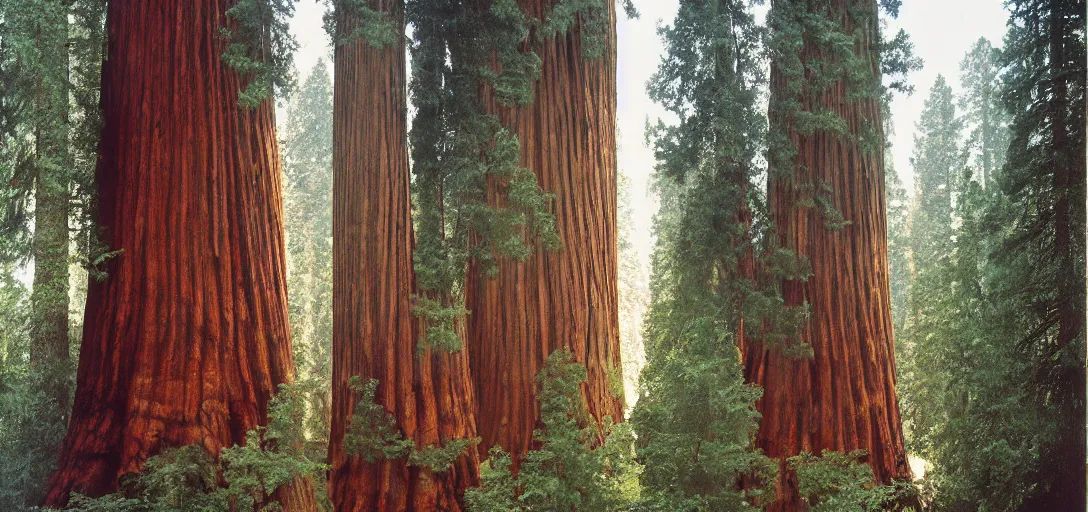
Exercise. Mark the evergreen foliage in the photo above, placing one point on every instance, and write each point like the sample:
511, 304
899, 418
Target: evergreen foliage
796, 104
899, 268
837, 481
994, 374
261, 48
376, 28
458, 150
573, 469
28, 445
307, 165
240, 478
984, 117
373, 434
1040, 261
695, 416
50, 57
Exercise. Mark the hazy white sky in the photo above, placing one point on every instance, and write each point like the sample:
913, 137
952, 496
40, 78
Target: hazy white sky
942, 32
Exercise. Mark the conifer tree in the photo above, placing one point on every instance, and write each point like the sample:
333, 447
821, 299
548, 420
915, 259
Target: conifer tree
52, 171
50, 56
696, 417
187, 339
1040, 259
827, 201
938, 171
307, 162
564, 298
402, 441
984, 116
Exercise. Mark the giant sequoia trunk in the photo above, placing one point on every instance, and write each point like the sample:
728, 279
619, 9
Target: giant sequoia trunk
844, 398
374, 333
564, 299
187, 338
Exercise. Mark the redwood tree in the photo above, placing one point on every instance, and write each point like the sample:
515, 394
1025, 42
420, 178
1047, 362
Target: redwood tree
827, 201
426, 389
566, 298
187, 338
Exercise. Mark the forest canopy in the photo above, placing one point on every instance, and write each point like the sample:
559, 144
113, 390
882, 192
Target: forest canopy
412, 276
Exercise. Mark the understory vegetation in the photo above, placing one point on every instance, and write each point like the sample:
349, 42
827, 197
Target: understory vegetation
979, 269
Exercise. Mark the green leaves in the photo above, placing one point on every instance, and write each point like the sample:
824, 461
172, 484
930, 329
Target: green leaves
573, 469
374, 435
591, 16
839, 481
476, 203
378, 29
261, 47
187, 479
372, 431
441, 458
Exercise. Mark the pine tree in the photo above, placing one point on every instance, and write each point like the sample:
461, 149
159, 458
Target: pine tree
984, 116
307, 162
696, 417
1042, 232
187, 339
938, 165
938, 169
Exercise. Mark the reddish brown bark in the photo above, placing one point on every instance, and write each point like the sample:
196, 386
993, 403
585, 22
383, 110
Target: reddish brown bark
187, 338
565, 299
374, 334
844, 398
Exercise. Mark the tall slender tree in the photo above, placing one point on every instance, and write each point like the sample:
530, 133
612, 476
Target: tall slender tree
827, 200
567, 298
984, 116
307, 161
696, 418
187, 339
50, 57
49, 299
938, 169
1042, 230
425, 389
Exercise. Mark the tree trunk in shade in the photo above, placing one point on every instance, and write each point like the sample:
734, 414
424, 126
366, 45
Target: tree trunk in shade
374, 333
187, 338
49, 328
564, 299
844, 398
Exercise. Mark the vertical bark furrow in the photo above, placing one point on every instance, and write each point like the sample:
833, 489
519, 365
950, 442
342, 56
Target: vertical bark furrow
844, 398
187, 339
374, 333
566, 299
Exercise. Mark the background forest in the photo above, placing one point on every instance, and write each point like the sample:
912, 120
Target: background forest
409, 277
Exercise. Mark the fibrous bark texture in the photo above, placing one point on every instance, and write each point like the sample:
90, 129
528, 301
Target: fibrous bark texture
187, 338
564, 299
844, 398
374, 334
49, 328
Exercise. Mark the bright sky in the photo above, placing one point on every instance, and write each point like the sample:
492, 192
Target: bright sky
942, 32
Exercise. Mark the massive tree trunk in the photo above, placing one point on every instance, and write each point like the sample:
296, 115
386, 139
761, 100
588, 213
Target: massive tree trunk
374, 333
843, 398
565, 299
187, 338
49, 328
